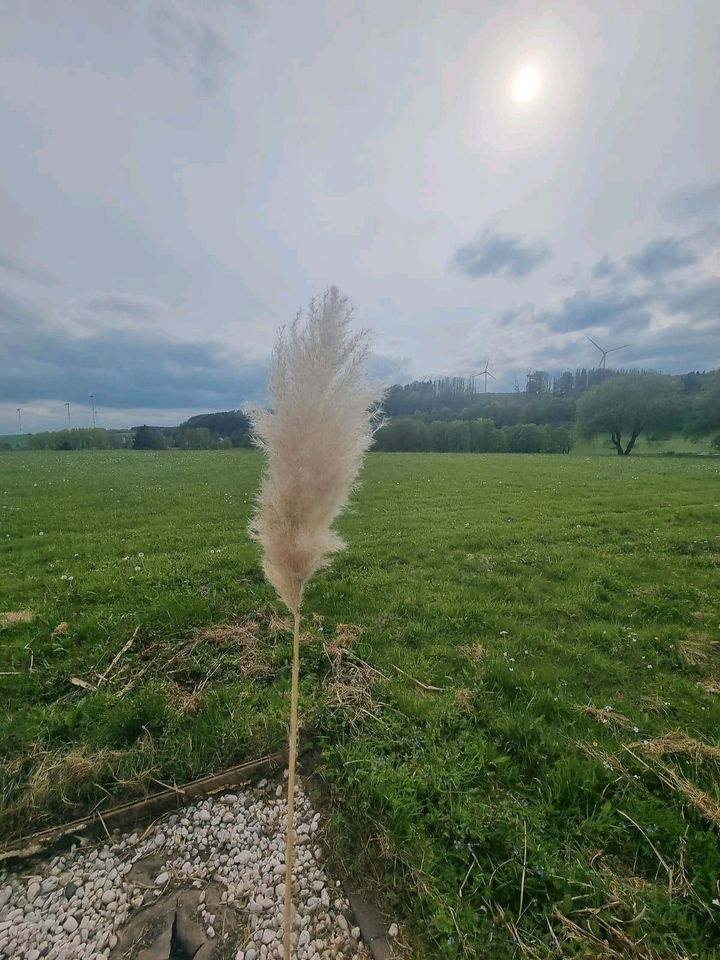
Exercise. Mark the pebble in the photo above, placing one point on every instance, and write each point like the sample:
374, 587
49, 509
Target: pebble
76, 905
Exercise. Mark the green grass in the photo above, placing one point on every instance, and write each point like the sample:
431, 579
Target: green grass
580, 578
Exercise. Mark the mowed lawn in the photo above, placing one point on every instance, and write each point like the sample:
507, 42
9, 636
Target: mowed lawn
511, 679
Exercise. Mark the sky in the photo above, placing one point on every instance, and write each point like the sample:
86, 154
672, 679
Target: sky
181, 177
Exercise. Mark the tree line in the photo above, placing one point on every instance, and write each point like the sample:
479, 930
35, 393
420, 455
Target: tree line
413, 434
621, 406
448, 416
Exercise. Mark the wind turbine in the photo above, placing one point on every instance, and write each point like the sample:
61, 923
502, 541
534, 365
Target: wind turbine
606, 352
19, 413
485, 373
94, 410
67, 404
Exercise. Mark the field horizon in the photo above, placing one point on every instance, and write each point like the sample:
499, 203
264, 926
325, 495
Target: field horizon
510, 677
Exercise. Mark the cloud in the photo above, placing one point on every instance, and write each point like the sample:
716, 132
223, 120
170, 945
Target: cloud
701, 300
16, 315
19, 269
121, 305
124, 368
661, 257
496, 253
680, 347
607, 268
612, 310
695, 203
182, 32
389, 368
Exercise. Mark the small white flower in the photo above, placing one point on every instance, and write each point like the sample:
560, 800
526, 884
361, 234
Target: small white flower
71, 578
64, 577
41, 534
137, 569
126, 558
141, 555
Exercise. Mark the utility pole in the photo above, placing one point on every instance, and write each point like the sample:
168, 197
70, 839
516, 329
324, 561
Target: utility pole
19, 413
94, 411
67, 404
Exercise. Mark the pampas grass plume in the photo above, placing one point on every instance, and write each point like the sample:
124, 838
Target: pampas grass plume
314, 436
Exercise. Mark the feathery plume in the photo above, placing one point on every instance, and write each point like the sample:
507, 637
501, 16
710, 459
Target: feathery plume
315, 436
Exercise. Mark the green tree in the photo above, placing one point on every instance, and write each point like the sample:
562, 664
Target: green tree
458, 436
146, 438
705, 406
194, 438
438, 436
624, 406
483, 436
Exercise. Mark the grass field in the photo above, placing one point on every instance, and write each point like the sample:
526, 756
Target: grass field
512, 679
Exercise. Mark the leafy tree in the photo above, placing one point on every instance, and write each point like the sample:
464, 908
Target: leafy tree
232, 423
148, 438
438, 432
194, 438
624, 406
402, 434
710, 402
483, 436
458, 436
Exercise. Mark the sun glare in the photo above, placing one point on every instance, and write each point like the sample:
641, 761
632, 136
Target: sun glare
526, 85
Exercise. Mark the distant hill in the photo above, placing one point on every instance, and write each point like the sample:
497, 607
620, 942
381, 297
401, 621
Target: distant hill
232, 424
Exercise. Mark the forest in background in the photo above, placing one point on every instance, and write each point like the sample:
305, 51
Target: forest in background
449, 415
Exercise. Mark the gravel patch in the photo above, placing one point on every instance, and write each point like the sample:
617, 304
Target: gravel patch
223, 856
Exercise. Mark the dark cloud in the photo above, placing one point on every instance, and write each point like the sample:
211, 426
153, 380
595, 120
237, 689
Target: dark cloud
614, 311
695, 203
701, 300
22, 270
123, 368
124, 306
678, 348
16, 315
183, 32
607, 268
496, 253
660, 257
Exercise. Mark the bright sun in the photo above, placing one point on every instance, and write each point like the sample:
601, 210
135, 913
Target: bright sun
526, 85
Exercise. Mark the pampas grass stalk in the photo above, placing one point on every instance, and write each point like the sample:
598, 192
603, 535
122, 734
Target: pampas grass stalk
314, 436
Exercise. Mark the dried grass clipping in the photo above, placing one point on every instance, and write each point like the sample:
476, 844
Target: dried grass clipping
677, 743
13, 617
698, 648
475, 652
607, 715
